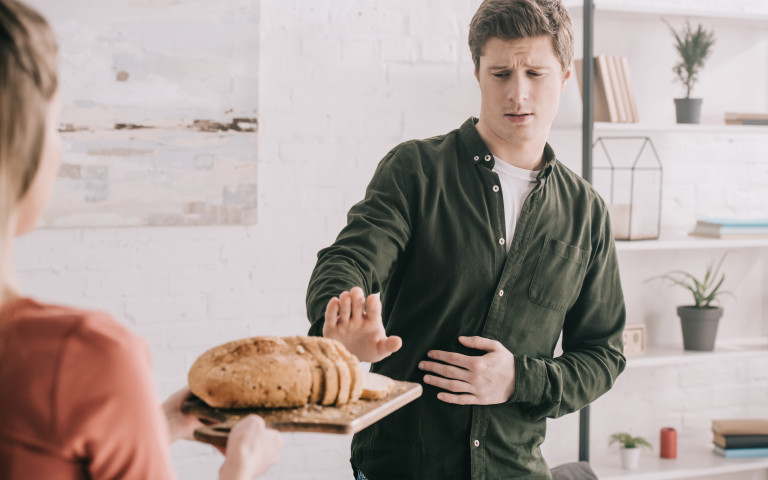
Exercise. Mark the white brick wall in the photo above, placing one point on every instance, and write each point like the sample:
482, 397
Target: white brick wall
341, 82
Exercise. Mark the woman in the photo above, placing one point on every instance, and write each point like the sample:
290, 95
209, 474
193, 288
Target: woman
76, 397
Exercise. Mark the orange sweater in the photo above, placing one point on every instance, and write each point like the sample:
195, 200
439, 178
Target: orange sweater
76, 398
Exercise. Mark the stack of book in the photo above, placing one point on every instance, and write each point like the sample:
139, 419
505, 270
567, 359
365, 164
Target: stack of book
732, 118
731, 228
740, 438
614, 98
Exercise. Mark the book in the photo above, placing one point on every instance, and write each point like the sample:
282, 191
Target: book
740, 441
602, 71
746, 122
746, 116
600, 111
740, 452
623, 88
733, 118
734, 222
731, 228
630, 91
740, 426
613, 74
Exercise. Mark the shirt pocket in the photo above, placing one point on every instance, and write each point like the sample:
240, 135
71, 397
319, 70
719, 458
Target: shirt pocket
558, 276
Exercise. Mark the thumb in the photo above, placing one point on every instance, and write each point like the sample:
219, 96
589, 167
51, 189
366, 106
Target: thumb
389, 345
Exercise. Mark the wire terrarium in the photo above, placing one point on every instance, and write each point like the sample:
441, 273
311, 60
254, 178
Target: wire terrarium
627, 173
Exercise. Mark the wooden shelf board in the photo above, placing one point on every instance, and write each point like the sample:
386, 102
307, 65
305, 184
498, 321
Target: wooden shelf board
694, 460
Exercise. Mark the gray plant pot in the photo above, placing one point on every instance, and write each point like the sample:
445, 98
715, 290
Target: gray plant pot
688, 110
699, 326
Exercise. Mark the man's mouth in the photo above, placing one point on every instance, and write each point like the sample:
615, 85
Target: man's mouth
517, 114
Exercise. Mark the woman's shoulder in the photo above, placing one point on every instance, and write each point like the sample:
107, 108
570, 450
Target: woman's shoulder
27, 316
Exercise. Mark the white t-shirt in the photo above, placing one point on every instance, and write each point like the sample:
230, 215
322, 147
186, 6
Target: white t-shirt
516, 184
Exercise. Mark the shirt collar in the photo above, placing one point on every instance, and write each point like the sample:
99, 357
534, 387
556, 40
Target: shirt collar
480, 154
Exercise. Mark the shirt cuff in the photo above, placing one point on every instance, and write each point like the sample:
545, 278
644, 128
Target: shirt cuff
529, 380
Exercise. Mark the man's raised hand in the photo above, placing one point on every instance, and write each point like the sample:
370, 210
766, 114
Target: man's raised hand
356, 322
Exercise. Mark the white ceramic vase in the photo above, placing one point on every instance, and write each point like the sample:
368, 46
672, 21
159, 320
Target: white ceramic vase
630, 458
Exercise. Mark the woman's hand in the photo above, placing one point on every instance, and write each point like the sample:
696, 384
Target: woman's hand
252, 449
180, 426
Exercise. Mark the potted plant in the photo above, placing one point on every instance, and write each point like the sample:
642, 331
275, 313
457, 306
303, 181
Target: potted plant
699, 321
694, 47
629, 448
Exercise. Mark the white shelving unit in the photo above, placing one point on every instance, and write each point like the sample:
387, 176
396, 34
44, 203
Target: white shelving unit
695, 459
683, 241
695, 456
664, 356
600, 127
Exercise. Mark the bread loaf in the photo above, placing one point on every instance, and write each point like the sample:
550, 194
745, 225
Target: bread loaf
276, 372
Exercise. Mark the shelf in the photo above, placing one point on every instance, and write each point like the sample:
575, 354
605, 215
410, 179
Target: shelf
695, 459
636, 10
669, 128
682, 241
655, 356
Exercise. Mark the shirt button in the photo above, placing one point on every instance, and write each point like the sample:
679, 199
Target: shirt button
502, 241
501, 293
487, 158
476, 443
495, 188
477, 158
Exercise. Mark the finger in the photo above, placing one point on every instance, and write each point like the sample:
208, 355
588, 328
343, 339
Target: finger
332, 312
452, 358
373, 307
345, 309
250, 425
480, 343
463, 399
389, 345
445, 371
456, 386
358, 302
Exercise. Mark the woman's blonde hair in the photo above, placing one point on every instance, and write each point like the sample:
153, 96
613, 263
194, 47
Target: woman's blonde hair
28, 82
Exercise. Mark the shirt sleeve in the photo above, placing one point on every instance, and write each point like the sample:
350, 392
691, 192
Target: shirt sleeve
105, 404
592, 342
367, 249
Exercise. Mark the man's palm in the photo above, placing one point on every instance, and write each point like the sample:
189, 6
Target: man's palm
356, 322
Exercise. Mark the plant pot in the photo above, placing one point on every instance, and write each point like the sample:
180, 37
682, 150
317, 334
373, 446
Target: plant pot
630, 458
699, 326
688, 110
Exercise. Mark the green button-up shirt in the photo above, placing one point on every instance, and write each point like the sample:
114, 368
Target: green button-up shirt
426, 236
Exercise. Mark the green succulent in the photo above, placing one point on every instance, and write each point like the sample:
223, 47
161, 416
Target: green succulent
706, 290
628, 441
694, 47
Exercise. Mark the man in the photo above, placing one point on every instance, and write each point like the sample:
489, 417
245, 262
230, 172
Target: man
484, 248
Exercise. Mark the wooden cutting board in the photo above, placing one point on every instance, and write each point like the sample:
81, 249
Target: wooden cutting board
346, 419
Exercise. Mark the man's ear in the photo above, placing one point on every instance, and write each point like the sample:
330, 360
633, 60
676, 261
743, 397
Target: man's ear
566, 77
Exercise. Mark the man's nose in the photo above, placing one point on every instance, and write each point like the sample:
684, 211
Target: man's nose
519, 89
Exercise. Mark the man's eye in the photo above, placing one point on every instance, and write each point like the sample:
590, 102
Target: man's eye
535, 74
501, 75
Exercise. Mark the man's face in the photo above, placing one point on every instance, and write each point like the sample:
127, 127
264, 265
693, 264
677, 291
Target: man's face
520, 84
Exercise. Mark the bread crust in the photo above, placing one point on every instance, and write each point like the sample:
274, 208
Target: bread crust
355, 371
331, 375
276, 372
263, 371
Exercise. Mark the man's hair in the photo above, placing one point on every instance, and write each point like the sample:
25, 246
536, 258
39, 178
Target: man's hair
516, 19
28, 82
